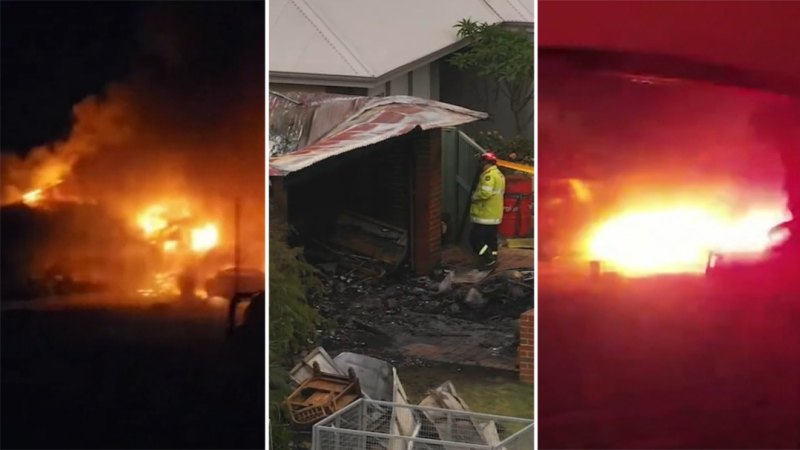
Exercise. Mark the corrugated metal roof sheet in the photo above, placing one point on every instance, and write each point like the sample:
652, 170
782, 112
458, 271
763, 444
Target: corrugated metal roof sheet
306, 128
370, 38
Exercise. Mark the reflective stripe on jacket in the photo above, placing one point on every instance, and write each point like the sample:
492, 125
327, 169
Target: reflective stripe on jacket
487, 200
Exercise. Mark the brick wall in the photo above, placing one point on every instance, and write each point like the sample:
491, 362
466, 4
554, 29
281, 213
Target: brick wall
427, 185
526, 348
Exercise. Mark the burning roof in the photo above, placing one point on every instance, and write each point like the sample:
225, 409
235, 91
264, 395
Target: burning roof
307, 128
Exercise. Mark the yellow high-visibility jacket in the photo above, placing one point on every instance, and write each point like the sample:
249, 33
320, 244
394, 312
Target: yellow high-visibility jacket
487, 200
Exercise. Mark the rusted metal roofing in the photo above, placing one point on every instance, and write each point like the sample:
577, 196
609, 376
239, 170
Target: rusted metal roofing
306, 128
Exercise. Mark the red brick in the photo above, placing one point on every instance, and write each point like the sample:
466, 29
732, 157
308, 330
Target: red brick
526, 351
428, 202
527, 378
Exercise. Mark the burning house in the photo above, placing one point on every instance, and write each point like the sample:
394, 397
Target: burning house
362, 174
140, 193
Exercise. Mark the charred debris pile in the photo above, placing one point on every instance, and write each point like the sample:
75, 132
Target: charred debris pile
367, 300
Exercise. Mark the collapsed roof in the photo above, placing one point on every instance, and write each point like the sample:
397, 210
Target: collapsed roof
306, 128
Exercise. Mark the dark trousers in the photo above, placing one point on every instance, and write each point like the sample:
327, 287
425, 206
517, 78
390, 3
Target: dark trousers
484, 235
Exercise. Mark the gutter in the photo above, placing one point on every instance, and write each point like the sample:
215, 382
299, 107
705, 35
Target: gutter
318, 79
362, 82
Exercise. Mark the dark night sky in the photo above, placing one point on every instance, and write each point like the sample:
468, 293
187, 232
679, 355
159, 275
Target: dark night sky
53, 55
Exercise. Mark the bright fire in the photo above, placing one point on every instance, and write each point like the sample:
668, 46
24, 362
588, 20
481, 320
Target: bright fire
174, 228
170, 246
153, 220
679, 239
33, 197
204, 238
160, 218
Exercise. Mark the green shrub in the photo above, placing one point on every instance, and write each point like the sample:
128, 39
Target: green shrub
293, 321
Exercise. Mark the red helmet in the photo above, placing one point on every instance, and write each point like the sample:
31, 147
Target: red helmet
489, 156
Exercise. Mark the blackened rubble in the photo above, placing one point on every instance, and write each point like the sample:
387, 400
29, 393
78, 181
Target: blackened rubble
411, 321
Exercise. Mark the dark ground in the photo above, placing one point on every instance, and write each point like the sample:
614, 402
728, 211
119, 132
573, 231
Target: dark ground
125, 377
406, 321
667, 362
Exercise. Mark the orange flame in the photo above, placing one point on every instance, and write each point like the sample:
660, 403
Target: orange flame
205, 238
159, 217
153, 220
170, 246
33, 197
169, 226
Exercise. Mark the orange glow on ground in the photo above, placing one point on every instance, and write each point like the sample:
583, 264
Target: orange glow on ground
678, 239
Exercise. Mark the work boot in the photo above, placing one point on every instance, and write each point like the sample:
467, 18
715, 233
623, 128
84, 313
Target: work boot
488, 262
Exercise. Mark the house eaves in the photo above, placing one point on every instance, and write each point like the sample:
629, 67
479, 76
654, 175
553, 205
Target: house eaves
363, 82
363, 43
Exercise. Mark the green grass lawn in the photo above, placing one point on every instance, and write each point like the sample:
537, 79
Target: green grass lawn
484, 390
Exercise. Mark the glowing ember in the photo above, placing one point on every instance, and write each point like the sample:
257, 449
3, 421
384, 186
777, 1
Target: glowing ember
33, 197
163, 284
678, 240
204, 238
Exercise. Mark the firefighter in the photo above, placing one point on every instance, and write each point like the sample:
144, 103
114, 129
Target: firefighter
486, 211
